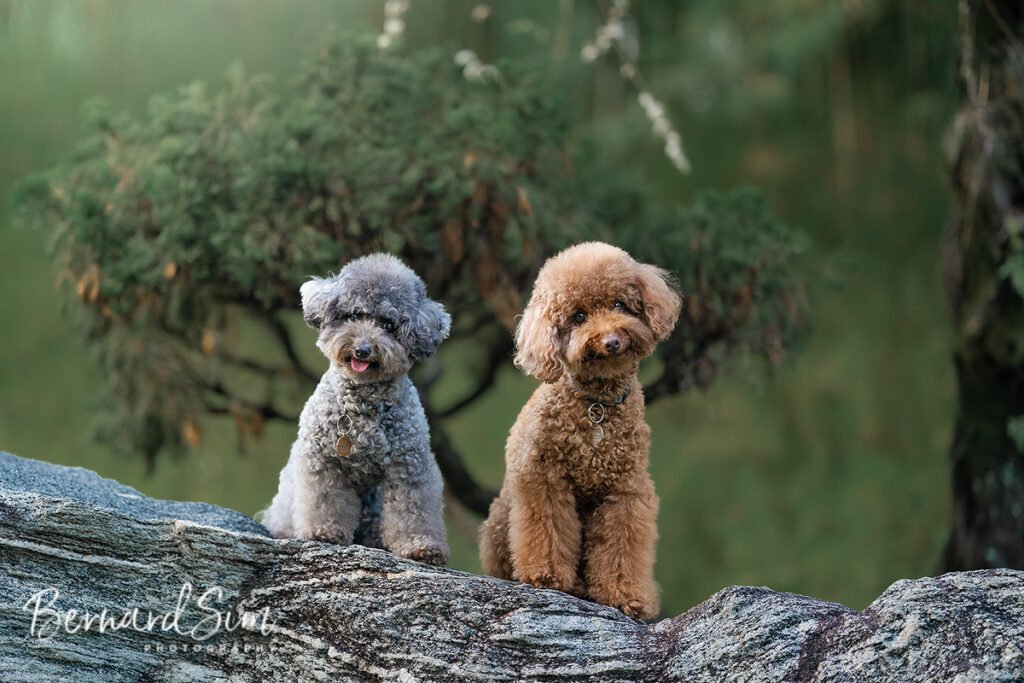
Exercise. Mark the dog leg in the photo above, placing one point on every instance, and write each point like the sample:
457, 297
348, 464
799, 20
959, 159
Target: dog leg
494, 551
327, 509
620, 537
412, 513
544, 531
278, 516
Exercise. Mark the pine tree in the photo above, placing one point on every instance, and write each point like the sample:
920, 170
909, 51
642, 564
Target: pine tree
184, 235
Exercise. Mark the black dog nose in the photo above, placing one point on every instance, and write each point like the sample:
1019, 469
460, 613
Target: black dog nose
362, 351
612, 343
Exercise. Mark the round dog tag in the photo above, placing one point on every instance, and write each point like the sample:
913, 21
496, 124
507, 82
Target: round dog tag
595, 413
344, 444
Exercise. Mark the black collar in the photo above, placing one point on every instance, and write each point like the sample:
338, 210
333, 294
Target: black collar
618, 400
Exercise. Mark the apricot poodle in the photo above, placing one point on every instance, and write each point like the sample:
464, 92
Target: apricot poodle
577, 511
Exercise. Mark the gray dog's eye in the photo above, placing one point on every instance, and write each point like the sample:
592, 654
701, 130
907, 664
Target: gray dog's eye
389, 326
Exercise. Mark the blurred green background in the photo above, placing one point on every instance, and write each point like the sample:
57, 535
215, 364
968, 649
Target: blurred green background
828, 478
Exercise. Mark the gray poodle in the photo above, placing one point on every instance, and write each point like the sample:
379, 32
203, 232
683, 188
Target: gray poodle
363, 447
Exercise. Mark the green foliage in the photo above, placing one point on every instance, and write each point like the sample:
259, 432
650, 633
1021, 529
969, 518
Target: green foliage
767, 46
1012, 268
1015, 430
733, 260
186, 231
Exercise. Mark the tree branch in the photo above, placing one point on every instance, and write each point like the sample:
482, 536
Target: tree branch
277, 329
682, 374
266, 410
460, 482
255, 366
463, 331
499, 352
667, 383
676, 376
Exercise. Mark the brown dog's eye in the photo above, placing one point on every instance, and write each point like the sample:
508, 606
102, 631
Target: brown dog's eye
620, 306
579, 317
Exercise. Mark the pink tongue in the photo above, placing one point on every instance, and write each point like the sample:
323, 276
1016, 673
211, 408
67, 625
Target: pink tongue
359, 365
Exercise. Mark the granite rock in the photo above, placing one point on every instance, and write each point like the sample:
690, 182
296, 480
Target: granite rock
185, 573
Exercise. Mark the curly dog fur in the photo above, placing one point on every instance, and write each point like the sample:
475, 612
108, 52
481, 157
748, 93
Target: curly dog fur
577, 512
374, 321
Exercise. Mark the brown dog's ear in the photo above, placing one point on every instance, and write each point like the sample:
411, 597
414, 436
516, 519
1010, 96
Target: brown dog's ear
538, 349
661, 302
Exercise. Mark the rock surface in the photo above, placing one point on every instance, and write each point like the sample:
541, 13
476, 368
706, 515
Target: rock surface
355, 614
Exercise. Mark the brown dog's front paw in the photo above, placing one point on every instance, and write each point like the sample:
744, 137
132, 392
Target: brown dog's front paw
638, 608
632, 605
544, 580
548, 579
427, 554
578, 589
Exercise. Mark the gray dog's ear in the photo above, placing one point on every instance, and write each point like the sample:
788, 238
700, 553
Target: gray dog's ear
428, 329
538, 346
316, 301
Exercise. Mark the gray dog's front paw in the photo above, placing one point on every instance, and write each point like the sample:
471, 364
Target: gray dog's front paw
428, 555
332, 534
423, 550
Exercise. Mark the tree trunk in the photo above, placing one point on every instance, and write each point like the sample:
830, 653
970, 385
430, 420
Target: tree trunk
984, 263
322, 612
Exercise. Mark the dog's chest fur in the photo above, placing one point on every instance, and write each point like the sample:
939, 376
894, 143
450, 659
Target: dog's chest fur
368, 413
595, 468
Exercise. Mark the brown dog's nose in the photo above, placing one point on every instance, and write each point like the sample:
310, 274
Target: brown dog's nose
612, 343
